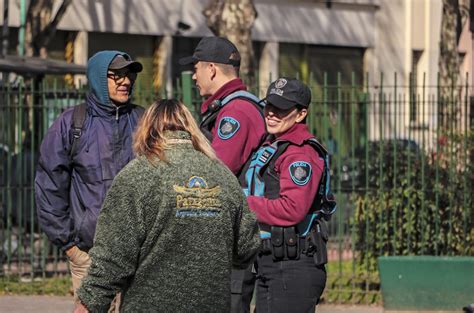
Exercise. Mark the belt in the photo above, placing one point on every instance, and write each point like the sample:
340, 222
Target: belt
302, 246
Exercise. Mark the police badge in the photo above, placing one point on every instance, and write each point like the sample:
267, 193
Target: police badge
300, 172
227, 128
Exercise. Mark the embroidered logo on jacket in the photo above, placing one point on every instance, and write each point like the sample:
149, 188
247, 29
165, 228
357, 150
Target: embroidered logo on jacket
300, 172
228, 126
195, 199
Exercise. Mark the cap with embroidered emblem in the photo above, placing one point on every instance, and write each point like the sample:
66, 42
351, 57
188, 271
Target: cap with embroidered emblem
286, 93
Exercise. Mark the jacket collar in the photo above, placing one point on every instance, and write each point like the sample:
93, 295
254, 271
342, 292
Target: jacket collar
228, 88
106, 110
178, 139
177, 134
297, 135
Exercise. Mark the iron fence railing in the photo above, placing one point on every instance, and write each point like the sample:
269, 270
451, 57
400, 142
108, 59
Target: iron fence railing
401, 163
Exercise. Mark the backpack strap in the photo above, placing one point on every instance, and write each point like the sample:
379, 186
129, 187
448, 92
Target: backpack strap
242, 94
210, 116
263, 159
78, 118
250, 97
325, 202
281, 146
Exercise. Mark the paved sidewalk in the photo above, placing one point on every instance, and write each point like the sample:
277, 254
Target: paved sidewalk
23, 304
52, 304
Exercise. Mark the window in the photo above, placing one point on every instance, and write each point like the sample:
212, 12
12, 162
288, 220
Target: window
416, 55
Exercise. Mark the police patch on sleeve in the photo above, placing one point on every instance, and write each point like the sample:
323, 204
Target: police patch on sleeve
300, 172
228, 126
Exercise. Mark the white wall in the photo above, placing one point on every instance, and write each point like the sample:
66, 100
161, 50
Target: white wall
432, 29
389, 51
313, 23
278, 20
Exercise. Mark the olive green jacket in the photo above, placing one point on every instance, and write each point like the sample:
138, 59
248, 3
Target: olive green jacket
168, 235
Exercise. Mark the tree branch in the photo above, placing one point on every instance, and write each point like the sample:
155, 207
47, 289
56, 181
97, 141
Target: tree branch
43, 38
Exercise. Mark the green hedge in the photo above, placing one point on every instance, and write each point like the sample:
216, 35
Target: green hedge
417, 202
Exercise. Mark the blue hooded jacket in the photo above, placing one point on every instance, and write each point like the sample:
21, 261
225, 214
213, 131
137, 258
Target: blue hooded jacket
70, 190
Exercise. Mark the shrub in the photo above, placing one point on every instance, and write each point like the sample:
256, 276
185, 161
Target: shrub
420, 205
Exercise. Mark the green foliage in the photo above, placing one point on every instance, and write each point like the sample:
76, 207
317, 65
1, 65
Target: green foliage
416, 203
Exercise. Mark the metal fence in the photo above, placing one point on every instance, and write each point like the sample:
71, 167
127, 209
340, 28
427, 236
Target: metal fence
401, 163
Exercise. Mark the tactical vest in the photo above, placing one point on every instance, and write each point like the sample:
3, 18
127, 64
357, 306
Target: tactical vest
209, 118
260, 179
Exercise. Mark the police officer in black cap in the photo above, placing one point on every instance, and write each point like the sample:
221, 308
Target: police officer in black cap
232, 120
287, 186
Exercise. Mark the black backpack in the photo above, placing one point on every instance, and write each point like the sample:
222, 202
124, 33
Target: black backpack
78, 118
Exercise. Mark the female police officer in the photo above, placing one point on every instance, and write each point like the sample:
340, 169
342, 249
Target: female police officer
287, 187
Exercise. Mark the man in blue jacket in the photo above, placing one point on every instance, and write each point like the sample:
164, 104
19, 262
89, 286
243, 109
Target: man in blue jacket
77, 164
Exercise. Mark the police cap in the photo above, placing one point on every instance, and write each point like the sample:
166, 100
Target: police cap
286, 93
214, 49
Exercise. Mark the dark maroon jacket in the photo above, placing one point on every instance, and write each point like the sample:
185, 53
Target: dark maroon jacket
294, 200
235, 150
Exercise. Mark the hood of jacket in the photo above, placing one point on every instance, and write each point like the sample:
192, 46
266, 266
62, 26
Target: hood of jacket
97, 68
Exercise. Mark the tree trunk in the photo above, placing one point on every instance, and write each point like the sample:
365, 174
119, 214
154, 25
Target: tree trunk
41, 26
234, 19
40, 29
449, 61
449, 58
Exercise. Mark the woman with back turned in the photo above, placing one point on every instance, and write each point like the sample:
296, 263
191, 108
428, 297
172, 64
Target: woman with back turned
173, 224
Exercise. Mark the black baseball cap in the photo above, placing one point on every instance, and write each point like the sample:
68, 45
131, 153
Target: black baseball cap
124, 61
214, 49
286, 93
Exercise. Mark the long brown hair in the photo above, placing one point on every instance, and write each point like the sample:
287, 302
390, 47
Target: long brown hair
164, 115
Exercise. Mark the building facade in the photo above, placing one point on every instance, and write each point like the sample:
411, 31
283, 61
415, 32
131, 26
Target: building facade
308, 38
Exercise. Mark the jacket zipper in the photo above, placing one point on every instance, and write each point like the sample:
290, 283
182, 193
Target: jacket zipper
117, 114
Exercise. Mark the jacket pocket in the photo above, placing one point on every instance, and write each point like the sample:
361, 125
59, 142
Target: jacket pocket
89, 175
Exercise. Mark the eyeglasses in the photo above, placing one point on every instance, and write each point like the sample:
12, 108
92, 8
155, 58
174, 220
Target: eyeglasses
119, 77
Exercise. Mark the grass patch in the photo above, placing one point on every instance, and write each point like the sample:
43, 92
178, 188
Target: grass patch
54, 286
345, 286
